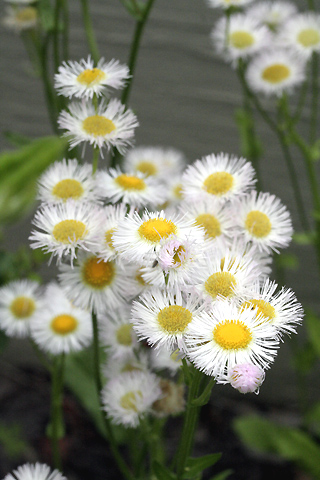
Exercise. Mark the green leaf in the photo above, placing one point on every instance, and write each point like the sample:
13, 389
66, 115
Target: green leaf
289, 443
313, 418
222, 475
315, 151
197, 465
161, 472
302, 238
203, 399
312, 323
46, 15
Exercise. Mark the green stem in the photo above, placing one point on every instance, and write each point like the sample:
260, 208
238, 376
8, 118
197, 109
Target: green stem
65, 29
91, 39
97, 376
56, 423
302, 98
314, 98
56, 53
189, 425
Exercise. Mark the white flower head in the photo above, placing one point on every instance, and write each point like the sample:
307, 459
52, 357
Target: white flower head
136, 361
272, 13
67, 180
163, 317
240, 36
21, 17
302, 33
275, 71
227, 3
110, 126
264, 221
217, 176
112, 215
225, 336
37, 471
134, 189
60, 327
130, 396
163, 359
154, 161
19, 302
63, 228
93, 283
138, 239
84, 80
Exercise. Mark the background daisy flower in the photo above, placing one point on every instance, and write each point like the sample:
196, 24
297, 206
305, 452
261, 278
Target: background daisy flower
154, 161
272, 14
37, 471
302, 33
84, 80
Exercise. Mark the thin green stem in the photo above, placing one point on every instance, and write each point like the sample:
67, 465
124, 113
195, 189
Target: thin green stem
56, 34
48, 88
189, 425
65, 29
301, 102
91, 39
97, 376
56, 423
314, 98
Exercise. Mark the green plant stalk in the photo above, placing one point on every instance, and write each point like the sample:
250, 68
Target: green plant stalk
97, 376
189, 424
91, 39
56, 423
314, 97
56, 53
65, 33
286, 153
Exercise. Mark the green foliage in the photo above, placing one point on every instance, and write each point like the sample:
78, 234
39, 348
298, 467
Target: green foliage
222, 475
204, 397
20, 264
161, 472
304, 238
288, 260
312, 323
46, 14
250, 147
289, 443
12, 441
19, 171
312, 418
195, 466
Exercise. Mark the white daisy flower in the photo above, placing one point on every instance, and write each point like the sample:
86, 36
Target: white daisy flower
264, 221
134, 189
272, 14
224, 274
172, 401
174, 191
60, 327
163, 359
20, 18
110, 126
63, 228
224, 337
130, 396
67, 180
245, 377
37, 471
211, 215
276, 71
227, 3
240, 36
93, 283
162, 317
112, 215
116, 332
84, 80
136, 361
138, 239
19, 303
217, 176
154, 161
280, 309
302, 32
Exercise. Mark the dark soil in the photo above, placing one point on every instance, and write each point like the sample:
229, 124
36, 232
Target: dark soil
25, 400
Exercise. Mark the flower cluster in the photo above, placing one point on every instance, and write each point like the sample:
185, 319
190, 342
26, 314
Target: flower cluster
270, 40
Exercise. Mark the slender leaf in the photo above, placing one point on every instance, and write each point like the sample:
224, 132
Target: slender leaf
197, 465
161, 472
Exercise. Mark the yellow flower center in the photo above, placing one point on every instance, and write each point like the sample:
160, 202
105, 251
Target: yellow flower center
220, 283
27, 14
309, 37
69, 231
129, 400
22, 307
68, 188
177, 191
232, 335
97, 273
262, 307
174, 319
258, 224
179, 256
123, 335
218, 183
98, 126
108, 238
147, 167
210, 224
276, 73
156, 228
130, 182
91, 77
64, 324
241, 39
